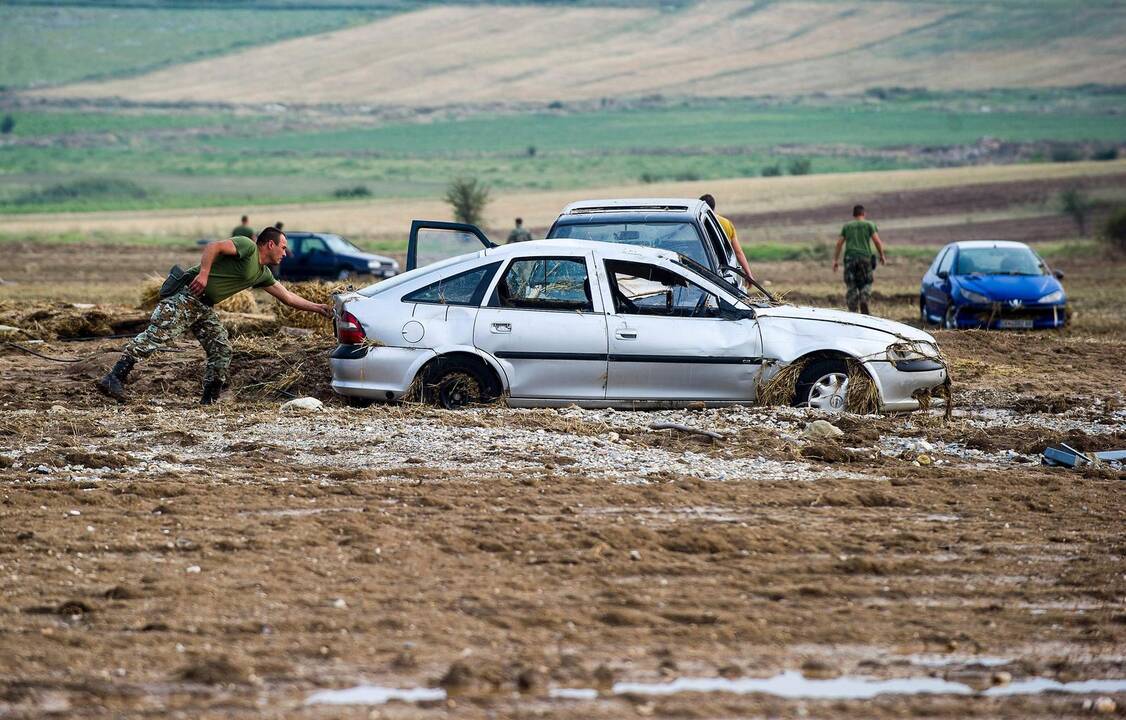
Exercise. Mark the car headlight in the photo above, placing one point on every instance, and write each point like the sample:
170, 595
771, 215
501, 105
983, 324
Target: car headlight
975, 297
1050, 298
911, 351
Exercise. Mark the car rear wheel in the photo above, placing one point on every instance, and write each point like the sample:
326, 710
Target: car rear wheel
454, 383
823, 385
345, 275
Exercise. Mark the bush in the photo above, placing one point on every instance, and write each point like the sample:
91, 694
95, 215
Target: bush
84, 189
531, 151
772, 170
358, 191
687, 176
7, 124
468, 198
1065, 153
648, 177
1110, 153
1077, 205
1114, 230
801, 166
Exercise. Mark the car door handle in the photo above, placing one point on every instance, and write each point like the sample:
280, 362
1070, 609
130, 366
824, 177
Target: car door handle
500, 328
626, 334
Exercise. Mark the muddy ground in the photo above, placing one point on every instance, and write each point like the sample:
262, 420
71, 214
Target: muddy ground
157, 559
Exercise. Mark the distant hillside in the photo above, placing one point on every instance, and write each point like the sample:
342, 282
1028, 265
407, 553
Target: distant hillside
513, 53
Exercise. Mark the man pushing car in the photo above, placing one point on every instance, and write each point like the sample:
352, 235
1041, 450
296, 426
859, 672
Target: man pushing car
187, 303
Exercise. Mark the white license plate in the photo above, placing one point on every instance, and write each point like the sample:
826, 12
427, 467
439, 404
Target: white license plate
1015, 324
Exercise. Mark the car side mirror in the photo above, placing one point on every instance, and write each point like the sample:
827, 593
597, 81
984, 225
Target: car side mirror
1058, 274
944, 274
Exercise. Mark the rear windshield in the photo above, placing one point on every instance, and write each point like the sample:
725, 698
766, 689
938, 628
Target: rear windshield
998, 261
678, 237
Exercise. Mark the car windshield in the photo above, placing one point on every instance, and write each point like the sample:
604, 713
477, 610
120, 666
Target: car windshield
678, 237
340, 245
998, 261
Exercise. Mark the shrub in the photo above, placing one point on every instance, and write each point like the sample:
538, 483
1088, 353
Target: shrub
1110, 153
1077, 205
1114, 229
687, 176
1065, 153
468, 198
358, 191
531, 151
7, 124
648, 177
800, 166
772, 170
85, 189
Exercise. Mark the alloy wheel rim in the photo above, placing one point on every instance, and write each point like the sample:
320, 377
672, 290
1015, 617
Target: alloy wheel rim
829, 392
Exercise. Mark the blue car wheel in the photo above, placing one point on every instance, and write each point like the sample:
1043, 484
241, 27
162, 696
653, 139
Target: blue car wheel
950, 322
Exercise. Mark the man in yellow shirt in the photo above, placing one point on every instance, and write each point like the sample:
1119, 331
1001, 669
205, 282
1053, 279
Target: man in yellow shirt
732, 236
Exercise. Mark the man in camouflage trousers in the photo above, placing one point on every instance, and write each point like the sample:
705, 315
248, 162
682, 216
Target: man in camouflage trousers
226, 268
858, 238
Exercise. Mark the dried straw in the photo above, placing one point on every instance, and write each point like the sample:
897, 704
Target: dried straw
780, 388
862, 397
313, 291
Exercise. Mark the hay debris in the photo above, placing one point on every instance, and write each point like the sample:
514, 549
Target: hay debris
241, 302
862, 397
313, 291
780, 388
150, 292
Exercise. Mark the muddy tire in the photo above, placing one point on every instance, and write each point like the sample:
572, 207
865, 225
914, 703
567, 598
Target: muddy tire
924, 321
948, 321
455, 383
823, 384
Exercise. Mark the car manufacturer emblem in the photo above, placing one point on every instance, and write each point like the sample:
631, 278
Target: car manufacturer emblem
1016, 303
836, 402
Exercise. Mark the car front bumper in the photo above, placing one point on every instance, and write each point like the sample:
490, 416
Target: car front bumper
899, 387
1005, 316
375, 372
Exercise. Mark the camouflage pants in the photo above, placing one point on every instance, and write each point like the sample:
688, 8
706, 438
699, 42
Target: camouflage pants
172, 316
858, 280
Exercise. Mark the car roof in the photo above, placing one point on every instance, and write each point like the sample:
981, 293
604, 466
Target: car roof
672, 206
990, 243
567, 246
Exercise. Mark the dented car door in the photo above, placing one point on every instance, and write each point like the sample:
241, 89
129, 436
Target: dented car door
673, 338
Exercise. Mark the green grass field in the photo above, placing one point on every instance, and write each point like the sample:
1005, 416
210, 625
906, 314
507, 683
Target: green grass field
51, 45
188, 158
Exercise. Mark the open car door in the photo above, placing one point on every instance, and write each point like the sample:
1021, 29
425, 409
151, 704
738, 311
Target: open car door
434, 240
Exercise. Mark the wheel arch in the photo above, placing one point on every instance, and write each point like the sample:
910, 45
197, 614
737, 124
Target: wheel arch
488, 364
835, 354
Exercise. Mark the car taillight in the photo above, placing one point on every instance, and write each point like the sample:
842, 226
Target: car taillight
349, 331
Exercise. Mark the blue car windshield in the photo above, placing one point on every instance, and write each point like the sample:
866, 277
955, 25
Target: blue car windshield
678, 237
998, 261
340, 245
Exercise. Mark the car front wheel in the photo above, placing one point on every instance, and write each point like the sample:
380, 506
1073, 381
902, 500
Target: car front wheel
823, 385
950, 321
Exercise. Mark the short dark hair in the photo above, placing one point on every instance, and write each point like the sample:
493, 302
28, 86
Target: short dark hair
279, 224
857, 210
269, 234
707, 197
519, 221
245, 219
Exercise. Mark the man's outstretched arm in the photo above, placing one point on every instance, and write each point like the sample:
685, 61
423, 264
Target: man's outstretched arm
296, 301
211, 251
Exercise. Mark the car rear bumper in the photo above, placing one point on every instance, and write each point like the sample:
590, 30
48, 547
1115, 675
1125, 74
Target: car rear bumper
379, 373
898, 387
1004, 316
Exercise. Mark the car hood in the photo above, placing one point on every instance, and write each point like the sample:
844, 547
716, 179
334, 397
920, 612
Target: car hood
1027, 288
845, 320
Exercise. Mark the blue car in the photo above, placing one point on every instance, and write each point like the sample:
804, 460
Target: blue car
992, 284
326, 256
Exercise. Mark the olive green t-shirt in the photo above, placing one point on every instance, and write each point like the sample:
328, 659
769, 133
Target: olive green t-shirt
243, 231
858, 238
231, 274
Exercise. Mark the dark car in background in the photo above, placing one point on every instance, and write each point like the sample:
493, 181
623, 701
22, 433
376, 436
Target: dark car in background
992, 285
325, 256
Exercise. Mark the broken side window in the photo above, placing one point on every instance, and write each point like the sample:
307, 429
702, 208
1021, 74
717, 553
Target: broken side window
467, 288
544, 284
643, 289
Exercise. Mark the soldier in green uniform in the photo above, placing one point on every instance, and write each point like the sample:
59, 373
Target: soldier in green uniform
519, 233
243, 229
858, 238
227, 267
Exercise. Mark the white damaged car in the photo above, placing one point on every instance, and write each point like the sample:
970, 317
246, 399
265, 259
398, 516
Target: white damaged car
596, 324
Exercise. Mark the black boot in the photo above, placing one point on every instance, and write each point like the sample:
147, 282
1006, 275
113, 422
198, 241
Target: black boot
211, 392
113, 384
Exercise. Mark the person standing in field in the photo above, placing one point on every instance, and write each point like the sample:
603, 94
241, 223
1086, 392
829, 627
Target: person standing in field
519, 233
732, 236
227, 267
243, 229
858, 238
